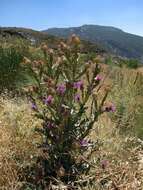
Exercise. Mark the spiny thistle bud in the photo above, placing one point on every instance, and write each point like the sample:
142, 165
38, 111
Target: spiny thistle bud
63, 46
51, 91
74, 40
49, 81
30, 88
59, 61
37, 64
26, 61
50, 51
61, 172
45, 78
40, 62
88, 64
44, 47
98, 59
35, 88
76, 145
34, 63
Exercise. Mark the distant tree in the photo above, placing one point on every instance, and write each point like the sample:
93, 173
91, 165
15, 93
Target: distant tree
133, 63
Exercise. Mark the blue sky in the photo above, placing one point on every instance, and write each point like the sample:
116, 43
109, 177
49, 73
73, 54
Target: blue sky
43, 14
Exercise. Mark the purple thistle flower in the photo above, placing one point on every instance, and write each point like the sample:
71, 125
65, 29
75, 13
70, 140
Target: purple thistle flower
34, 107
77, 97
84, 143
110, 108
98, 78
78, 85
50, 125
61, 88
49, 100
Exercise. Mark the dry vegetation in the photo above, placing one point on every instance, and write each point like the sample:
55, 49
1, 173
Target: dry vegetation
17, 141
118, 161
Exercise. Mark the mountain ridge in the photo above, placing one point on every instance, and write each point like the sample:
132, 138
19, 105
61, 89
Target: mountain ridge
113, 39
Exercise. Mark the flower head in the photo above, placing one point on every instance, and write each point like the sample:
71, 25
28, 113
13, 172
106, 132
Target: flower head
49, 100
34, 107
74, 40
50, 125
84, 143
26, 61
63, 46
110, 108
98, 78
37, 64
104, 164
61, 88
88, 64
77, 97
44, 47
65, 110
78, 85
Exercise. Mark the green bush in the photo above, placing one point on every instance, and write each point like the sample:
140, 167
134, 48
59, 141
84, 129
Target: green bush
132, 63
10, 70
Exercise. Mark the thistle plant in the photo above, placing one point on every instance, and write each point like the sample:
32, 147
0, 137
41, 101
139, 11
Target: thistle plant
64, 98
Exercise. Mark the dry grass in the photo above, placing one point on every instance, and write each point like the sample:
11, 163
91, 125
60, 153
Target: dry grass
124, 169
123, 153
17, 141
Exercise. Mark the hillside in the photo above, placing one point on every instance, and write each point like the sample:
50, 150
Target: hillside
113, 39
33, 37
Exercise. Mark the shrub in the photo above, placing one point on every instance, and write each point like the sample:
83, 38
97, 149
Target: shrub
132, 63
68, 107
10, 59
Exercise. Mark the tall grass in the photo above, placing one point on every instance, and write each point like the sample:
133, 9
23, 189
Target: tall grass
127, 92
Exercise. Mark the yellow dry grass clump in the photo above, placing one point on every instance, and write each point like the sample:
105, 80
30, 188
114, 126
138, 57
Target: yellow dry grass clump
17, 141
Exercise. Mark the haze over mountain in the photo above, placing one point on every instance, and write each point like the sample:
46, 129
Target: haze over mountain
113, 39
